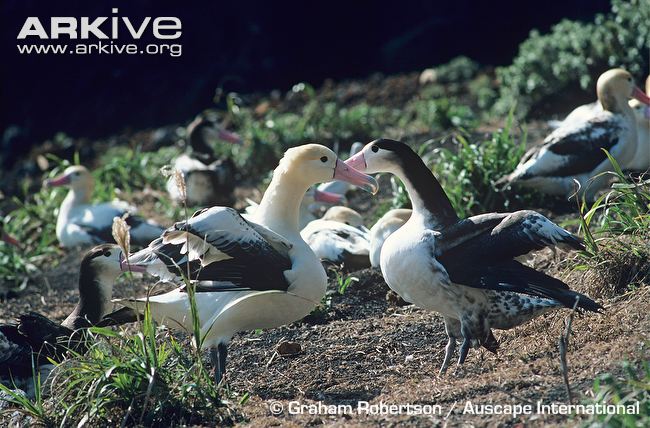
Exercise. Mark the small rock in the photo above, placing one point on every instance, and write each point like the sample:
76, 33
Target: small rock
289, 349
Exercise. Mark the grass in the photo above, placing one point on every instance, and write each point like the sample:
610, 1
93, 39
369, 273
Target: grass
135, 379
468, 171
343, 282
616, 229
627, 389
32, 223
623, 210
142, 379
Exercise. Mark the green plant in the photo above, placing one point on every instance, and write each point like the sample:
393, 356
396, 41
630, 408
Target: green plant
632, 387
469, 170
142, 379
32, 223
33, 408
624, 210
575, 53
439, 113
344, 282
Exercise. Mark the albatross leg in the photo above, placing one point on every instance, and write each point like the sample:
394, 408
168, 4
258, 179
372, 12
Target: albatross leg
452, 328
464, 349
218, 356
223, 354
449, 351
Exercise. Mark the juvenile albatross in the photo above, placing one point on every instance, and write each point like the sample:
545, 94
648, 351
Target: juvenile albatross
464, 269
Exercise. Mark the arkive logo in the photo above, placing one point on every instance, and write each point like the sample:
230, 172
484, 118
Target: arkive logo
113, 28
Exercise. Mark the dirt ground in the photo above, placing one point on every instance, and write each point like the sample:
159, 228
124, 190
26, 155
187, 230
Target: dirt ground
367, 348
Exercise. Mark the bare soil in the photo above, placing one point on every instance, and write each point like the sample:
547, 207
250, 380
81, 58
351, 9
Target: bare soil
367, 346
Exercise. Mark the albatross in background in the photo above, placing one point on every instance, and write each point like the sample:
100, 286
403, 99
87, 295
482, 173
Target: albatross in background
82, 223
339, 237
208, 180
574, 150
34, 334
312, 196
465, 269
255, 273
385, 226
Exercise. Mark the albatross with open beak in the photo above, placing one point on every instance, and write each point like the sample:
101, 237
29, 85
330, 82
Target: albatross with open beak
252, 274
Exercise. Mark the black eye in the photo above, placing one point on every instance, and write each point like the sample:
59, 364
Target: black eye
323, 159
107, 254
76, 174
374, 149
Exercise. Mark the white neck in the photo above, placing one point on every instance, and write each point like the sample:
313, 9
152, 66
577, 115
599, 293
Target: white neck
75, 197
279, 209
629, 150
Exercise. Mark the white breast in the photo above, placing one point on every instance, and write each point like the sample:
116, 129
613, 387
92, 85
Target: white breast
409, 268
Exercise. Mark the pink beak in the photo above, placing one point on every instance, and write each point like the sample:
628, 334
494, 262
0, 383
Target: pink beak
357, 162
640, 95
230, 137
61, 180
10, 240
328, 197
349, 174
127, 267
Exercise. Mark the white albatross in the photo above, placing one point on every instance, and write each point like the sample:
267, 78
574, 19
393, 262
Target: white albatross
574, 151
253, 274
385, 226
81, 222
339, 237
464, 269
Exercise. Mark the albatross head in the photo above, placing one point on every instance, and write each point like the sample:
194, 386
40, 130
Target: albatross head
77, 177
313, 163
615, 87
344, 215
383, 156
104, 261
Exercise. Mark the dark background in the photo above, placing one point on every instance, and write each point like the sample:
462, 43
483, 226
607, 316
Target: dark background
247, 46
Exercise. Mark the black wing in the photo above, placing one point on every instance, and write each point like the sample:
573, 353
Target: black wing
225, 253
582, 146
492, 238
513, 276
15, 353
478, 252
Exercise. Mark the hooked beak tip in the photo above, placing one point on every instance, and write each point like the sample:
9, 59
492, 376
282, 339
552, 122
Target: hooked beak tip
346, 172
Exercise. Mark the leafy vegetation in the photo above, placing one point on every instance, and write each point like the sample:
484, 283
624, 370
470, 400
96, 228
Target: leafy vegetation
151, 379
129, 379
616, 229
633, 386
575, 53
